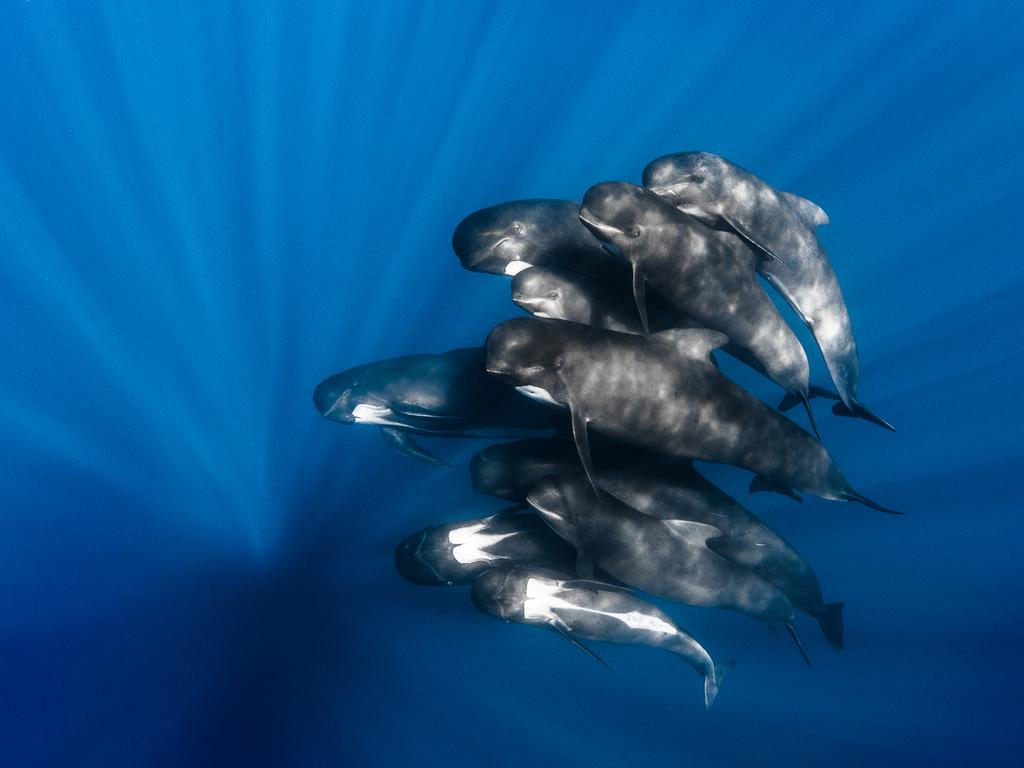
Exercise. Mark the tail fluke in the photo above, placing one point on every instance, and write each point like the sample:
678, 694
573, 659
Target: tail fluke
852, 495
860, 411
403, 443
831, 621
713, 681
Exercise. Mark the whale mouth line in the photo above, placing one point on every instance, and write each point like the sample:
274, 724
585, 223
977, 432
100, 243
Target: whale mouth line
526, 302
495, 371
597, 226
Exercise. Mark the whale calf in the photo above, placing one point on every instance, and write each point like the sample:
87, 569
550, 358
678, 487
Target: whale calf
784, 226
707, 274
549, 292
591, 610
662, 393
456, 553
441, 395
507, 238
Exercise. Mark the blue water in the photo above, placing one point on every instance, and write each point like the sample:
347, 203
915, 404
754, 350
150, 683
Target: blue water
205, 208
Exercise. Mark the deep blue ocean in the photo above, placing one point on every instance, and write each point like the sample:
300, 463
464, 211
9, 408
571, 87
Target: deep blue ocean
208, 207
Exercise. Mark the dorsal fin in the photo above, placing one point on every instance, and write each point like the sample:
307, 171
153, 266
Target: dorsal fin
692, 342
811, 213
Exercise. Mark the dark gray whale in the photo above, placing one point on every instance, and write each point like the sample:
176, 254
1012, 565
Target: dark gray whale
508, 238
592, 610
784, 226
670, 558
441, 395
662, 393
707, 274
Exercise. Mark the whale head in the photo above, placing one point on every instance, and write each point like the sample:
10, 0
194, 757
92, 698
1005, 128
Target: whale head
504, 238
340, 398
416, 558
694, 182
553, 293
499, 592
526, 352
509, 470
621, 214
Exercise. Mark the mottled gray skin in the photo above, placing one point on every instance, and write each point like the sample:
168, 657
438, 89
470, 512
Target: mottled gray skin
594, 611
532, 233
707, 274
662, 393
676, 491
666, 558
564, 295
428, 557
720, 193
441, 395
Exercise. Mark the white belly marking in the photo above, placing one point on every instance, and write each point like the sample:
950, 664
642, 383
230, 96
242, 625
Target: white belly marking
470, 543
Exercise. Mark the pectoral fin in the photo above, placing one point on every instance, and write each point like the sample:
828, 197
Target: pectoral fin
640, 295
739, 229
563, 629
582, 440
402, 442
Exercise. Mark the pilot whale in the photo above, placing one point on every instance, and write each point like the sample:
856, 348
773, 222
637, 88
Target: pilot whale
507, 238
592, 610
707, 274
669, 558
441, 395
662, 393
674, 490
456, 553
783, 226
561, 294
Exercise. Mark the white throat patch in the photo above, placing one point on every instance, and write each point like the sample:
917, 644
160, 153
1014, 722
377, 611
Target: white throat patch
513, 268
537, 393
364, 413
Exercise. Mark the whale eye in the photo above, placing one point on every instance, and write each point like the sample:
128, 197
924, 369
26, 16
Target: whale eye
557, 365
517, 228
553, 295
696, 178
635, 233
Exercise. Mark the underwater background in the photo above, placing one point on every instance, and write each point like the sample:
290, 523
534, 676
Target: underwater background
208, 207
